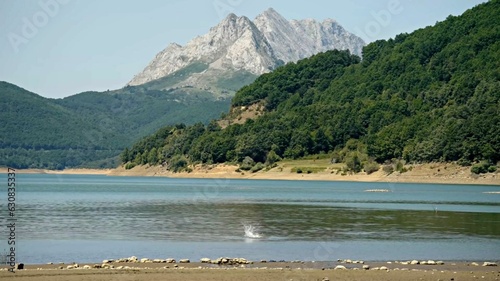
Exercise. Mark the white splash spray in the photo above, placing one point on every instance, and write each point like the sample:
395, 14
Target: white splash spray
251, 231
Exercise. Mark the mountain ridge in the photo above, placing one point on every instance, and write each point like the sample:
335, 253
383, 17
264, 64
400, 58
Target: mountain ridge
90, 129
240, 44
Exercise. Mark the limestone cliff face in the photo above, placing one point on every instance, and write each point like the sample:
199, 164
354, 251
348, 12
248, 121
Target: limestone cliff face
259, 46
298, 39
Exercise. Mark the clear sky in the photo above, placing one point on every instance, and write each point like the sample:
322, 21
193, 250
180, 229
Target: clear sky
58, 48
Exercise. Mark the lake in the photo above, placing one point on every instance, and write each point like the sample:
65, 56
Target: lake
88, 218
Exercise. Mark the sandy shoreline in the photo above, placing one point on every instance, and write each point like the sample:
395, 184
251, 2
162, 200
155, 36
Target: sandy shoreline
439, 173
258, 271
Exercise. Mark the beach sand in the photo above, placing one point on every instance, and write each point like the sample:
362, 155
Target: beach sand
257, 271
440, 173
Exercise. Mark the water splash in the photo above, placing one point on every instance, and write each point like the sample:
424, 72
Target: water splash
251, 231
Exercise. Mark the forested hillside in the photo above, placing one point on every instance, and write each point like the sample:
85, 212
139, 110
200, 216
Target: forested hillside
432, 95
91, 129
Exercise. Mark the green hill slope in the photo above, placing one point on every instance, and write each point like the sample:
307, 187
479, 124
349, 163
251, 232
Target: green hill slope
433, 95
91, 129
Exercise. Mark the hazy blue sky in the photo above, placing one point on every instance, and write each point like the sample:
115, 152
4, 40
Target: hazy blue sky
58, 48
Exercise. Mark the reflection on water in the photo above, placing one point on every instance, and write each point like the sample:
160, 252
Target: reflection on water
286, 213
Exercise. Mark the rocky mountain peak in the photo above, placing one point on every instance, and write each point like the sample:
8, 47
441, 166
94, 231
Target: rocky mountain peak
240, 44
230, 29
271, 14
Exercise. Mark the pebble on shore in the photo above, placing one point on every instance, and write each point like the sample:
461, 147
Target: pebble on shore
341, 267
241, 262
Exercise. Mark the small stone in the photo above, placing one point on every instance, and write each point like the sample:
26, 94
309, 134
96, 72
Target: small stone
341, 267
19, 266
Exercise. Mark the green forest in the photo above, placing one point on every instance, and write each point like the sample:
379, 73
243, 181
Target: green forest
432, 95
91, 129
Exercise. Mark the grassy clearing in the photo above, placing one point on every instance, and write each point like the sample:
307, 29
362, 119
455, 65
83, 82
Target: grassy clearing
307, 170
309, 165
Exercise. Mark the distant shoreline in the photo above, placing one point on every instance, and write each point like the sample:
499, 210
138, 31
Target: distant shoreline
61, 172
437, 173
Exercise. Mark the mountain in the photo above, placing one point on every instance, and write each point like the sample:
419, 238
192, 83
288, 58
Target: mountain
237, 50
235, 42
183, 84
91, 129
432, 95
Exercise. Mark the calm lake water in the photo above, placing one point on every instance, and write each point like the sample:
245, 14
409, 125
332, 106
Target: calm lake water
90, 218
